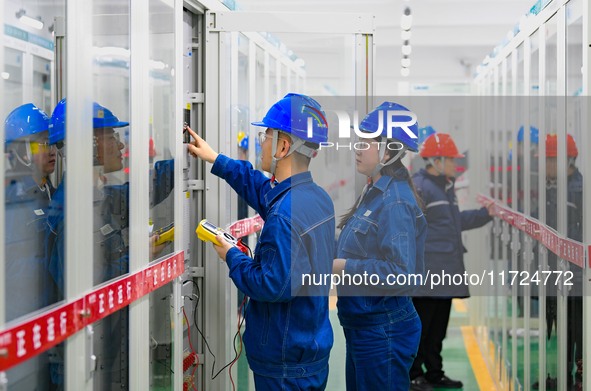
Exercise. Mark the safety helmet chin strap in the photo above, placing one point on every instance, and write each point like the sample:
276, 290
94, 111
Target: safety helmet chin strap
381, 164
28, 153
297, 145
274, 160
431, 160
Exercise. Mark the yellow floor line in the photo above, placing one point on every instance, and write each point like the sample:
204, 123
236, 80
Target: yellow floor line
459, 305
481, 373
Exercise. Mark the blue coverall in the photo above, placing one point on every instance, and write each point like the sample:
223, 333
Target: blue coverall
288, 334
385, 236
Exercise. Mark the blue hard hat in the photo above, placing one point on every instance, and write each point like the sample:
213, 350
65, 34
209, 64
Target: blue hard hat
371, 123
25, 120
425, 132
290, 115
534, 135
101, 118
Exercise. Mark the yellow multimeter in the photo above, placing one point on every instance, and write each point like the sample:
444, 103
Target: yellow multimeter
207, 232
165, 234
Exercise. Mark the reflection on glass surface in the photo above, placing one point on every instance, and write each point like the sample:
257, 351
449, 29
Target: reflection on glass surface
42, 83
161, 146
161, 360
534, 119
273, 85
550, 123
13, 84
30, 162
262, 94
575, 118
508, 111
111, 113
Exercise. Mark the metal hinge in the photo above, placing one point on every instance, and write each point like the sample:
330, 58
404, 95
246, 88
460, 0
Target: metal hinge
195, 271
196, 97
195, 185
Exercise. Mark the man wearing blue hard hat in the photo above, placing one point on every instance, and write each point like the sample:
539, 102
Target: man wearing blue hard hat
110, 234
111, 248
107, 158
28, 192
288, 335
29, 162
29, 154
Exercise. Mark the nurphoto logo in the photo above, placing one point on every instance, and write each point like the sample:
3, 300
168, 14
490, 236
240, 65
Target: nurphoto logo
387, 119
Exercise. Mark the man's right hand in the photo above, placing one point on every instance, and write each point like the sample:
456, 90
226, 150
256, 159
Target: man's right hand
199, 148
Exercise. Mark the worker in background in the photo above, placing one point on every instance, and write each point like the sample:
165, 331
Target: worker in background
443, 251
29, 162
288, 335
383, 234
574, 208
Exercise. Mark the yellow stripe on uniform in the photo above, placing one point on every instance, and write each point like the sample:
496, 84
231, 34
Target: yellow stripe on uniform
481, 373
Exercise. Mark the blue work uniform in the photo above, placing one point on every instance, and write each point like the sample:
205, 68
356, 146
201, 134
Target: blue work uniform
288, 334
444, 252
27, 283
384, 237
111, 260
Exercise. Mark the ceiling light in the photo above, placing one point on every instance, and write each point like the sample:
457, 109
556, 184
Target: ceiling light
5, 75
405, 72
406, 50
405, 62
406, 22
405, 35
406, 19
22, 16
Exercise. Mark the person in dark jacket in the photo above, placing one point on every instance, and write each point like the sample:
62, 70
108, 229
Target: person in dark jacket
288, 335
574, 231
382, 236
444, 253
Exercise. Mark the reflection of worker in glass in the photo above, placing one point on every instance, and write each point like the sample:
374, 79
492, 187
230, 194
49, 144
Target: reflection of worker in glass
27, 148
288, 334
110, 222
111, 244
575, 232
519, 167
519, 170
29, 161
107, 158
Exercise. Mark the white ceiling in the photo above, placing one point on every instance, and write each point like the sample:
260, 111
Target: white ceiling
449, 37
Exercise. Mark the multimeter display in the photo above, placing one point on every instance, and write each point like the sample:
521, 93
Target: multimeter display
208, 232
209, 226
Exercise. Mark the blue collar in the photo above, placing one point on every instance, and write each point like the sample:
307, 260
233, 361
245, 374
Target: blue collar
382, 183
287, 184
